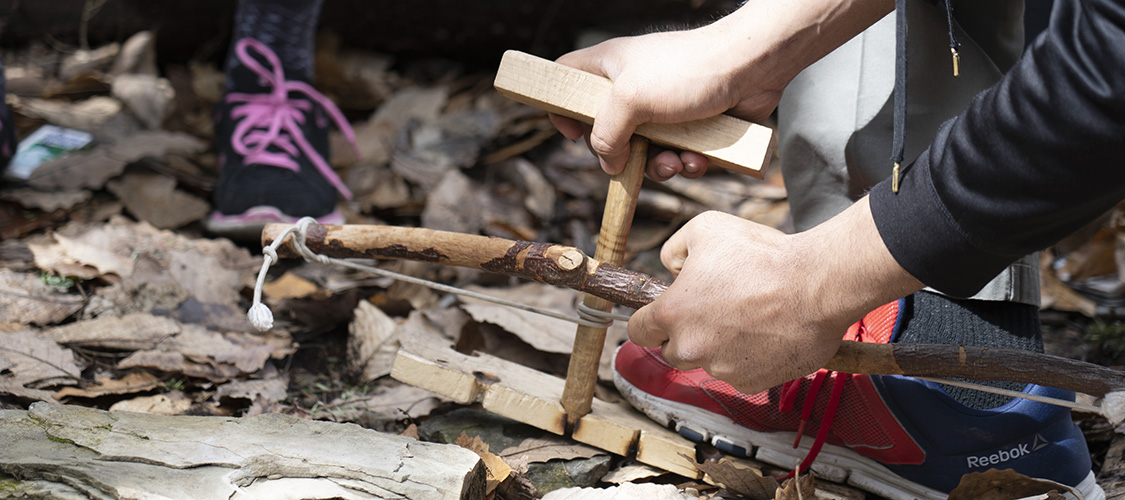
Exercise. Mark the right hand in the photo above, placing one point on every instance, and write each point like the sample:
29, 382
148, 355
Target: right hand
667, 77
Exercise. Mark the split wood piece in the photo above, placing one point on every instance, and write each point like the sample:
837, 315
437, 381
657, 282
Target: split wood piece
532, 397
977, 363
61, 451
558, 265
620, 204
567, 266
728, 142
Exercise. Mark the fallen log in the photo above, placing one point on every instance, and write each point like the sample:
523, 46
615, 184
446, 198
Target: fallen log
566, 266
57, 451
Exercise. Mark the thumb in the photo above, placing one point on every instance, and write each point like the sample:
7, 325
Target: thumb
675, 250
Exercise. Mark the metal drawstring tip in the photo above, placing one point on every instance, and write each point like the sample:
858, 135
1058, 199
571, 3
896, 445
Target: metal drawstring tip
956, 61
894, 178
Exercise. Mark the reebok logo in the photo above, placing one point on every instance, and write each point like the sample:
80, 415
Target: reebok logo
1038, 443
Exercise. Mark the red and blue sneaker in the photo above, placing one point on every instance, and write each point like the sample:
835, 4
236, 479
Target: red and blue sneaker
272, 138
893, 436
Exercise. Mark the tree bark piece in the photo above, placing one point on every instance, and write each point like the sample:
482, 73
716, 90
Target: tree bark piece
621, 203
728, 142
96, 454
558, 265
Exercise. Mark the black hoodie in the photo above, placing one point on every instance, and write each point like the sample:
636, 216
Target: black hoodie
1024, 165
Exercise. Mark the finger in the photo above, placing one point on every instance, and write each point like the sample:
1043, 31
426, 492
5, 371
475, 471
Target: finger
675, 250
614, 125
644, 330
695, 164
675, 355
569, 128
664, 165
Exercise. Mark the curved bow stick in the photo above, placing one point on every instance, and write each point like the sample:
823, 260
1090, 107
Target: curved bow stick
567, 266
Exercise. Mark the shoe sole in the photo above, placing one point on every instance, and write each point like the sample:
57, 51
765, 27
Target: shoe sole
248, 225
834, 463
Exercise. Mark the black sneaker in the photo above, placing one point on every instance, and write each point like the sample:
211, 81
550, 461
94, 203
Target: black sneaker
272, 139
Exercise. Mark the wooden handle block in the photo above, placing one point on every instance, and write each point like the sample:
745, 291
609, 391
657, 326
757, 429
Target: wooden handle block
728, 142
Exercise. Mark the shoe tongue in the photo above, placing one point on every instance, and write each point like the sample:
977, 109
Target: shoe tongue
241, 79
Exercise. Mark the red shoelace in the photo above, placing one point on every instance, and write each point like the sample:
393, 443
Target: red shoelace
272, 119
789, 393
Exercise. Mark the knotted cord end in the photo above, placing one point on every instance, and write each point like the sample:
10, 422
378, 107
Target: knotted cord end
260, 316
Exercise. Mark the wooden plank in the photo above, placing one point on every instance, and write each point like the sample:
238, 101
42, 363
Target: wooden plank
532, 397
728, 142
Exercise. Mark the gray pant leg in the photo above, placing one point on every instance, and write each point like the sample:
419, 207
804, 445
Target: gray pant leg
835, 118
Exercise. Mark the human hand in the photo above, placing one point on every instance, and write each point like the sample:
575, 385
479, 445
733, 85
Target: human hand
666, 77
755, 307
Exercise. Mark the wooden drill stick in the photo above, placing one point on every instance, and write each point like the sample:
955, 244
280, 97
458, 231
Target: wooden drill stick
566, 266
621, 202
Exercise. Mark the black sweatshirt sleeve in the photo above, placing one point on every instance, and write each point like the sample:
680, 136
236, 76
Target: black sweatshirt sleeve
1028, 161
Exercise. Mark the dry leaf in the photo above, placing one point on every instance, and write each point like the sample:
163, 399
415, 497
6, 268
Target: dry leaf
385, 402
498, 470
447, 206
740, 478
1005, 484
103, 115
199, 352
153, 198
632, 471
127, 333
172, 403
291, 286
137, 55
47, 201
1056, 295
541, 332
105, 386
798, 488
91, 169
148, 97
543, 449
33, 362
25, 298
372, 342
411, 431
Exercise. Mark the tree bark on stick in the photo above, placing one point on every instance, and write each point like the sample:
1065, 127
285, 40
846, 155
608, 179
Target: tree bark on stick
566, 266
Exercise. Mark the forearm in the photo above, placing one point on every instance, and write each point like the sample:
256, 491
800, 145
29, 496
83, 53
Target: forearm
772, 41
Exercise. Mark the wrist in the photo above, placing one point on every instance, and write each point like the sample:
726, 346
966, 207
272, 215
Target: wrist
852, 271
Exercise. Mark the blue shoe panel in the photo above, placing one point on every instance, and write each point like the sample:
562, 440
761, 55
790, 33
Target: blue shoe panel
1035, 439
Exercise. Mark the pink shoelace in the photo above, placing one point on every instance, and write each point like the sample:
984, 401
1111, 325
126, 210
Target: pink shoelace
274, 119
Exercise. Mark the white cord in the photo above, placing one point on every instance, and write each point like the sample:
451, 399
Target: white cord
1015, 394
262, 318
